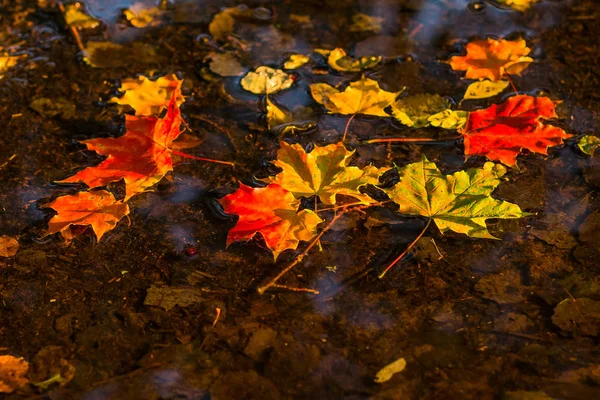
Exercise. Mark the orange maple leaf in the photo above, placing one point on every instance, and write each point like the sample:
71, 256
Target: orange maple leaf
271, 212
97, 208
142, 156
493, 58
501, 131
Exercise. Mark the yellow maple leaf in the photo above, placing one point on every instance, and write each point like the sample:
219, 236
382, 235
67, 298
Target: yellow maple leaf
150, 97
360, 97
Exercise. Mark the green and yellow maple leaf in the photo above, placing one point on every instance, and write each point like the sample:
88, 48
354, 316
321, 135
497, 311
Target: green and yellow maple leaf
360, 97
588, 144
339, 61
415, 110
460, 202
323, 172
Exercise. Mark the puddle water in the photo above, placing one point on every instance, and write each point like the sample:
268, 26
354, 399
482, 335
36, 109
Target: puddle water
164, 306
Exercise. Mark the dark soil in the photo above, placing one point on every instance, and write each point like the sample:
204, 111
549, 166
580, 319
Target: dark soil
134, 316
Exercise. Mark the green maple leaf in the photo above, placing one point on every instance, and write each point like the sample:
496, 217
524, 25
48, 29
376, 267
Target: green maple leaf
415, 110
460, 202
323, 172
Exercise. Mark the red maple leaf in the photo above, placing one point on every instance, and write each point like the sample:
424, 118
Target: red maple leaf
271, 212
501, 131
142, 156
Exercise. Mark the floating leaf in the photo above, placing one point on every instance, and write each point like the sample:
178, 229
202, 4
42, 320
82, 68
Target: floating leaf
8, 246
366, 23
7, 62
588, 144
13, 373
485, 89
460, 202
150, 97
97, 208
386, 373
338, 60
226, 64
501, 131
360, 97
519, 5
76, 16
492, 58
142, 156
141, 15
266, 80
223, 23
323, 172
285, 122
415, 110
53, 107
449, 119
296, 61
271, 211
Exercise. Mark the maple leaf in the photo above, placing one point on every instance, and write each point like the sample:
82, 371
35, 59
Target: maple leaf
150, 97
13, 373
97, 208
360, 97
271, 212
266, 80
501, 131
142, 156
460, 202
323, 172
493, 58
415, 110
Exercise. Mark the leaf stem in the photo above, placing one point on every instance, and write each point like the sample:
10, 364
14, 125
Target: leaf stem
74, 30
410, 246
201, 158
403, 140
347, 125
511, 83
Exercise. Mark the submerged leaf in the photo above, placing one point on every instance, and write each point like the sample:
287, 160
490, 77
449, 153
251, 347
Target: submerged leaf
98, 208
323, 172
285, 122
272, 212
13, 373
266, 80
339, 61
276, 115
416, 110
53, 107
150, 97
365, 23
460, 202
141, 157
76, 16
519, 5
588, 144
492, 58
449, 119
485, 89
360, 97
141, 15
113, 55
501, 131
223, 23
7, 62
296, 61
226, 64
8, 246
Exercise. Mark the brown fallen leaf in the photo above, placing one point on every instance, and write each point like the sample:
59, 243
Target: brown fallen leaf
8, 246
12, 373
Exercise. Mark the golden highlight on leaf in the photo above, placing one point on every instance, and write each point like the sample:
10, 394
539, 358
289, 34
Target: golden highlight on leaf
150, 97
323, 172
98, 208
492, 58
460, 202
360, 97
141, 15
76, 16
296, 61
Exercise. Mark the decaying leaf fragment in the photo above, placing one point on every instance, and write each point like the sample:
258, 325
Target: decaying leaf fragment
416, 110
449, 119
141, 157
492, 58
386, 373
98, 208
7, 62
296, 61
283, 121
519, 5
339, 61
365, 23
150, 97
141, 15
485, 89
114, 55
360, 97
266, 80
323, 172
225, 64
13, 373
501, 131
8, 246
588, 144
223, 23
76, 16
460, 202
272, 212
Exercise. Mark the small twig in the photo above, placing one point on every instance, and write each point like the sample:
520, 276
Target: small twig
410, 246
201, 158
73, 29
218, 311
7, 161
295, 289
346, 129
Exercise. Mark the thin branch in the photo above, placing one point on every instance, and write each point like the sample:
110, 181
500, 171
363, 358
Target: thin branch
295, 289
406, 140
410, 246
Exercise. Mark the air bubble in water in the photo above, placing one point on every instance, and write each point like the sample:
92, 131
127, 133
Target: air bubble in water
476, 7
